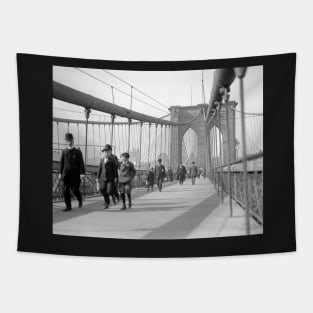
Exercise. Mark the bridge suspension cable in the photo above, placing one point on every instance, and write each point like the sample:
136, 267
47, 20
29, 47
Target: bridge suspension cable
132, 86
119, 90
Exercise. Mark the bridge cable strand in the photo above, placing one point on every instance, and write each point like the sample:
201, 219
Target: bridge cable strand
203, 91
121, 91
145, 94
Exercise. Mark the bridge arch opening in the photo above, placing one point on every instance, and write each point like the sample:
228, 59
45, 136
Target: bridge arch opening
190, 147
217, 146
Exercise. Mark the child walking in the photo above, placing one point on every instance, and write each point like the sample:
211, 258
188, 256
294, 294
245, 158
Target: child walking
127, 173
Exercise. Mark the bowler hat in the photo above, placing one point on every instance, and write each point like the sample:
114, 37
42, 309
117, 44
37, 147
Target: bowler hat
107, 148
69, 137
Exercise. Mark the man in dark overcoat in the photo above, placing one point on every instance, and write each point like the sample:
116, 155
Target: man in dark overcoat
181, 173
107, 175
193, 172
72, 170
159, 174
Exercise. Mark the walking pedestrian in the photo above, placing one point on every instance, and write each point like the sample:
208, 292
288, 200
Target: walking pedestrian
193, 172
107, 175
181, 173
150, 180
114, 188
159, 174
170, 173
127, 173
72, 171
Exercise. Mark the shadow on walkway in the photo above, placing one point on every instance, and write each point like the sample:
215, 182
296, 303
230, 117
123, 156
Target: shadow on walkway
98, 205
184, 224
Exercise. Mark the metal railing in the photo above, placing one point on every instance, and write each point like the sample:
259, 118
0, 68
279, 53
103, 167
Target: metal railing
89, 187
254, 179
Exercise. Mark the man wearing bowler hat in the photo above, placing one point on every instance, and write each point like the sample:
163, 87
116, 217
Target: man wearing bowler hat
159, 174
107, 175
72, 170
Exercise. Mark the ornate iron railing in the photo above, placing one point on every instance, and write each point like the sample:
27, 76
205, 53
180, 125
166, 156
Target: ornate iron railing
255, 184
88, 186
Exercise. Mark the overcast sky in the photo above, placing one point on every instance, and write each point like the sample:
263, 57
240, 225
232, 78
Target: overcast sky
171, 88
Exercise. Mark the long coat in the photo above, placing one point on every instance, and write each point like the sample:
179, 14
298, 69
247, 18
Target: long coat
159, 171
72, 165
181, 172
193, 170
107, 171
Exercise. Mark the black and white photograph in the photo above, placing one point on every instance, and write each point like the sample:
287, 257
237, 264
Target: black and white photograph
157, 154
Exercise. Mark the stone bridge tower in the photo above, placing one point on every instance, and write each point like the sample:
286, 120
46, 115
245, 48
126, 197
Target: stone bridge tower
195, 115
186, 114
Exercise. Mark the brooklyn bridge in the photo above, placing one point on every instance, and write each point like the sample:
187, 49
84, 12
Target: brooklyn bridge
222, 135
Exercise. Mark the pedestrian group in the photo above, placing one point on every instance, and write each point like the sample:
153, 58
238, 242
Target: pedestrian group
114, 177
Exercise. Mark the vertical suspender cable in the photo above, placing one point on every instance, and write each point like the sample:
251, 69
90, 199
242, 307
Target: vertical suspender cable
78, 134
155, 144
149, 139
140, 141
93, 142
165, 154
129, 124
112, 128
87, 114
99, 142
58, 140
161, 141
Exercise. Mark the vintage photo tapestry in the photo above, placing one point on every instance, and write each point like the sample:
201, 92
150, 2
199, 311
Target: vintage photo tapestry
156, 159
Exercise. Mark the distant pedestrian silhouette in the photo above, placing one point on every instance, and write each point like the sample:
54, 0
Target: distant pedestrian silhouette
159, 174
181, 173
194, 172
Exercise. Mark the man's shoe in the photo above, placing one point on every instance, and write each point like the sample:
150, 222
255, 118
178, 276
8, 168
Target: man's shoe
80, 204
106, 206
123, 207
67, 209
129, 205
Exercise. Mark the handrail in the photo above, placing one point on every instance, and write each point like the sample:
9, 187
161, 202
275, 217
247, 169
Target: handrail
248, 158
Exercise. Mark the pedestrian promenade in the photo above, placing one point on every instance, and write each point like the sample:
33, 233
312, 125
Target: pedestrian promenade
178, 212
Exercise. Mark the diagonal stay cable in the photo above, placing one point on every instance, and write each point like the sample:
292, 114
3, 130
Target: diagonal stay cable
125, 82
121, 91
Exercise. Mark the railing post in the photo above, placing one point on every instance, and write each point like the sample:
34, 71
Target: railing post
161, 141
240, 72
216, 178
225, 95
87, 114
220, 152
155, 144
165, 127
